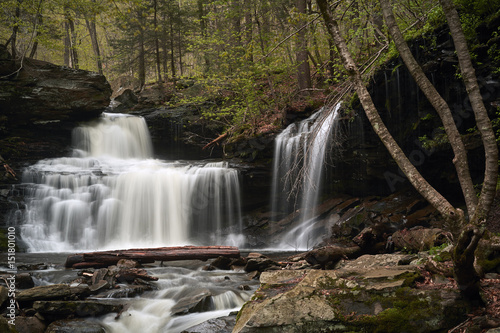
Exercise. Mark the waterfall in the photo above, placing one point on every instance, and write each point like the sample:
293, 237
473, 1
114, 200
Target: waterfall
113, 194
299, 160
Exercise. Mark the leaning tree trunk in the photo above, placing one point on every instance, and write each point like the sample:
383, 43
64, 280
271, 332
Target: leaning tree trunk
415, 178
482, 120
467, 277
439, 104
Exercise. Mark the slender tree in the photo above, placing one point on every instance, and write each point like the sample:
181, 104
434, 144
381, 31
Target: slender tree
304, 72
439, 104
157, 48
92, 29
15, 28
465, 245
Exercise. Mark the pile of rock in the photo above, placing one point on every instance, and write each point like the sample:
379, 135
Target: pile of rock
63, 307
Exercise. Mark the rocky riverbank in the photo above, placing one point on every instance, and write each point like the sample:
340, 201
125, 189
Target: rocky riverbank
404, 291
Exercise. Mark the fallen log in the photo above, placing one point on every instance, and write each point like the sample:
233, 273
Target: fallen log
149, 255
215, 141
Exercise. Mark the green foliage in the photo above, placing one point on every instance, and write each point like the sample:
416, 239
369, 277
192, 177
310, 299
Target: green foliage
473, 12
439, 254
438, 140
496, 124
428, 116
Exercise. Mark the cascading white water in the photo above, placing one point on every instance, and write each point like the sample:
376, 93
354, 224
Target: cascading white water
297, 173
112, 194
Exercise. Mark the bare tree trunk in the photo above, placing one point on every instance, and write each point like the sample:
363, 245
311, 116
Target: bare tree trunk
483, 122
91, 27
415, 178
248, 30
67, 45
15, 29
179, 51
39, 21
203, 30
463, 254
72, 42
164, 43
172, 51
157, 50
304, 72
439, 104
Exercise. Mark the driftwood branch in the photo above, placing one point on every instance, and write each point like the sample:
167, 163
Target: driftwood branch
108, 258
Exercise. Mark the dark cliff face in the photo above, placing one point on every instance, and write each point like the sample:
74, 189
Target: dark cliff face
41, 91
364, 167
40, 103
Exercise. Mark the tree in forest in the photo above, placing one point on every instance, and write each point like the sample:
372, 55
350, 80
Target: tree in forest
470, 223
303, 70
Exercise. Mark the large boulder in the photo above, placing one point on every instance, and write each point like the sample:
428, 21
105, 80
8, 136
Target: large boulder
379, 294
40, 104
39, 91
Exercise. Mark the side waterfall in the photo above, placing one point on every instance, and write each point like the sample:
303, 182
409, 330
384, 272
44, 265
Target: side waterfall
113, 194
299, 160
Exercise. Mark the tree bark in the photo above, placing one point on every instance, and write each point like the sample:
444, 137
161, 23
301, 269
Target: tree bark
15, 29
34, 48
439, 104
172, 51
141, 56
303, 70
483, 122
157, 50
73, 52
203, 30
415, 178
248, 29
91, 27
71, 39
107, 258
463, 254
67, 46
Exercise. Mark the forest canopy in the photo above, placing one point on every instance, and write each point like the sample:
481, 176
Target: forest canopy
266, 55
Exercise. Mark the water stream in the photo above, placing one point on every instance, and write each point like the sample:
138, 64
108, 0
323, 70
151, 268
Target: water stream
112, 194
299, 160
